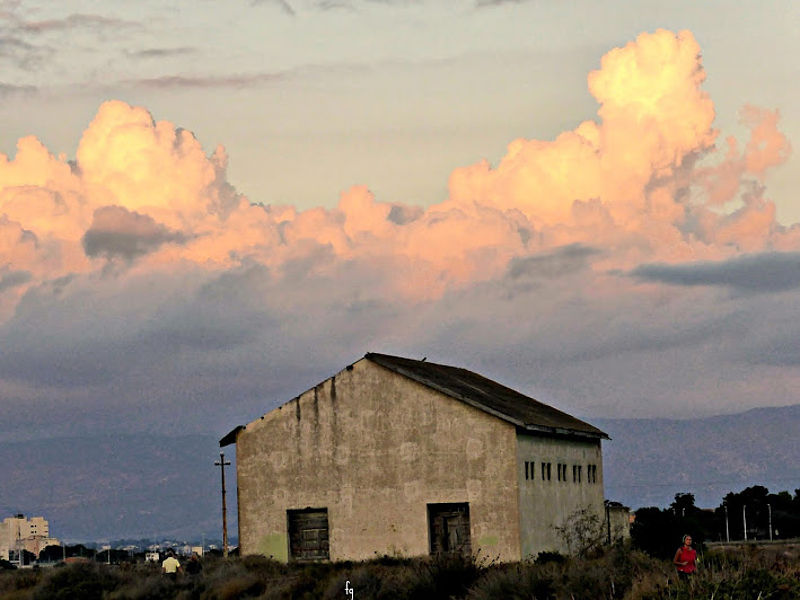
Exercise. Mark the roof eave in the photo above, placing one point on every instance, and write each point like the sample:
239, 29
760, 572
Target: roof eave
564, 431
230, 437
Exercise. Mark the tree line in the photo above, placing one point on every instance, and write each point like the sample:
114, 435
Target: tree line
752, 514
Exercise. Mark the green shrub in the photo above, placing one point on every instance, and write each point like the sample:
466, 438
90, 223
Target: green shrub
549, 557
73, 582
521, 582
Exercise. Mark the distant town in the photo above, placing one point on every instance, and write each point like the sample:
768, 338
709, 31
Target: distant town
26, 543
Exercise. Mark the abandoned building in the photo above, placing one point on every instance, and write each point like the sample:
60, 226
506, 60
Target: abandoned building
407, 457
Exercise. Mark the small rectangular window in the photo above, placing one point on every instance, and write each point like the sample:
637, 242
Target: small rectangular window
527, 466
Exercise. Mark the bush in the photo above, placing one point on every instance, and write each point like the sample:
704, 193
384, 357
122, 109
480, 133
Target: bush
583, 532
520, 582
82, 580
549, 557
619, 573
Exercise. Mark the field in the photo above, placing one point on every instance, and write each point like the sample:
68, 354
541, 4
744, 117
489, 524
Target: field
740, 573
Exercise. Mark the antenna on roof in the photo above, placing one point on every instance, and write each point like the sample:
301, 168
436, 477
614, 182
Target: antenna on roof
424, 358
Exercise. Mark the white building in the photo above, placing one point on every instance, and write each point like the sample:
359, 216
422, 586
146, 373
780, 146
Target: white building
18, 533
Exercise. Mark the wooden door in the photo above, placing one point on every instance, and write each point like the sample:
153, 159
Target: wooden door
308, 534
449, 528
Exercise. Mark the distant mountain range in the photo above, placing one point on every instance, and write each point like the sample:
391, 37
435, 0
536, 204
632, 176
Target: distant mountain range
142, 485
118, 486
648, 461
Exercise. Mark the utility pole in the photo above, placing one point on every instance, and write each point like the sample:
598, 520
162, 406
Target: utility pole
769, 509
222, 463
18, 544
727, 529
744, 520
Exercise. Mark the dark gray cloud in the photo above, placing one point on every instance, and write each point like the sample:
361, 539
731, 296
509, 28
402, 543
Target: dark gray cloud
118, 232
75, 21
180, 350
753, 273
335, 5
282, 4
162, 52
157, 324
192, 81
401, 214
559, 262
783, 351
7, 89
12, 279
488, 3
21, 53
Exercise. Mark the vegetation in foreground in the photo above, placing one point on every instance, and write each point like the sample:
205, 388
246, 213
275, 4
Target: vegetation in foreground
744, 573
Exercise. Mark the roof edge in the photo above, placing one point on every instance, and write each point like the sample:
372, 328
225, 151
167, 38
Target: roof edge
230, 437
496, 413
602, 435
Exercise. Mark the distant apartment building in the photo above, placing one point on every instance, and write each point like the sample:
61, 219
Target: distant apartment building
18, 533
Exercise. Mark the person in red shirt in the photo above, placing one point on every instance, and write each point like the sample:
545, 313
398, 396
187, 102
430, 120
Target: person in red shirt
686, 558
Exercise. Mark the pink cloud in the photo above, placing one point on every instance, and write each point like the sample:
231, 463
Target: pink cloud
626, 184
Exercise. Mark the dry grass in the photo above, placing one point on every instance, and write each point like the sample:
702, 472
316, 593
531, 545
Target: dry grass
618, 573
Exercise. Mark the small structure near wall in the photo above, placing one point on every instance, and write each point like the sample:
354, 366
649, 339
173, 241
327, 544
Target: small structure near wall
620, 520
407, 457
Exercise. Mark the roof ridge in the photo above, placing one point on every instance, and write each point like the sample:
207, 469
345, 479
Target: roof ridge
487, 395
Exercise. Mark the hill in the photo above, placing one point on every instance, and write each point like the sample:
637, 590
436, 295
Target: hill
115, 486
649, 460
145, 485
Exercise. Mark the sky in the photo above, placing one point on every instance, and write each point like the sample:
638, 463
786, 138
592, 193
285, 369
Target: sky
208, 207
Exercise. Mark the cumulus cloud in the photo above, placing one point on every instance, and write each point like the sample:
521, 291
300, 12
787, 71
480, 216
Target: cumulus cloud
518, 267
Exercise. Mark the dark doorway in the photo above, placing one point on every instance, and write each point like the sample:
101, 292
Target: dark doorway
448, 525
308, 534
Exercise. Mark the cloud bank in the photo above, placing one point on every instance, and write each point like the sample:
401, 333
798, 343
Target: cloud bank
135, 276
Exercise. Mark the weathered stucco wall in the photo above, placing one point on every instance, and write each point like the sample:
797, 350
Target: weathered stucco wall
545, 505
375, 448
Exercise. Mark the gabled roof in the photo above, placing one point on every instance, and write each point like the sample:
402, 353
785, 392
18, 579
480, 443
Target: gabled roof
482, 393
488, 396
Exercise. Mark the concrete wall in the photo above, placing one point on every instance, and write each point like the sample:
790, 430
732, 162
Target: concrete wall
620, 520
545, 505
375, 448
